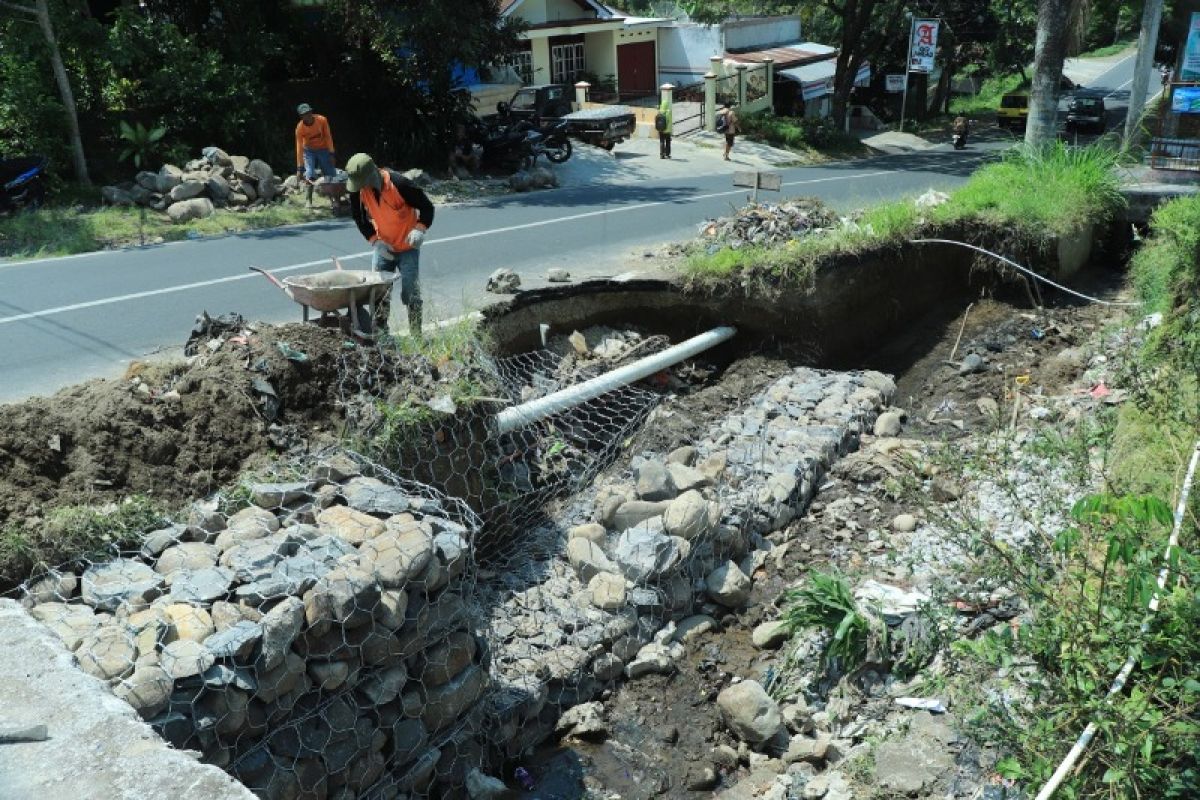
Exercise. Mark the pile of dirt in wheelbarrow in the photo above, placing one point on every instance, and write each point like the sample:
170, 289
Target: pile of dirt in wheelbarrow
173, 432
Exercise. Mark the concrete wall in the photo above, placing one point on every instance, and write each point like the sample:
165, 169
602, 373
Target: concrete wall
541, 60
684, 51
484, 96
600, 53
759, 34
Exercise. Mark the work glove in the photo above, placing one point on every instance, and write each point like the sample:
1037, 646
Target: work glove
382, 250
415, 237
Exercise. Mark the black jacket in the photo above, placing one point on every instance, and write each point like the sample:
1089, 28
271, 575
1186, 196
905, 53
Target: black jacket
409, 192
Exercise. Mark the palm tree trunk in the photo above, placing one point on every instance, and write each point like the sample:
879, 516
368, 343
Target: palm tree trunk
64, 89
1050, 51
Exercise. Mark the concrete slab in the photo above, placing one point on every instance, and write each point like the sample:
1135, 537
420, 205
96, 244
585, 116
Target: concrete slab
96, 746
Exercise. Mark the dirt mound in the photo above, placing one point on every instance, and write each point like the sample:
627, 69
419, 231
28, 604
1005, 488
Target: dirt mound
171, 432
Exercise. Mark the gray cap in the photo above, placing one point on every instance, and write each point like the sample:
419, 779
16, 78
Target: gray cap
303, 108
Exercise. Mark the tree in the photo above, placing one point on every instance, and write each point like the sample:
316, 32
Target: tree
1050, 51
40, 12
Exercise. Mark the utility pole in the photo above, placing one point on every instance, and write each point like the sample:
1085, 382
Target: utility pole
1147, 42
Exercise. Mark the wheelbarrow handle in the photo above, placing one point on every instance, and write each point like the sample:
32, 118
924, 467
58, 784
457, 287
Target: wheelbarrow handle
273, 280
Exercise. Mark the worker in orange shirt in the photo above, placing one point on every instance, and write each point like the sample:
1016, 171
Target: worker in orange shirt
314, 145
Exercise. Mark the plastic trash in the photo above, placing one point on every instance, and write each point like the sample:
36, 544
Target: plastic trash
292, 354
1038, 334
524, 778
930, 704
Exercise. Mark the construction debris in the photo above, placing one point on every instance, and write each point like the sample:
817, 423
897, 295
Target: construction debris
770, 223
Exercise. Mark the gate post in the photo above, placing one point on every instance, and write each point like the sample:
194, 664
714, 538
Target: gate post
741, 87
769, 66
581, 94
710, 101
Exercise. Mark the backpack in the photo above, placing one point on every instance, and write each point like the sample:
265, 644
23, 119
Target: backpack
722, 123
660, 122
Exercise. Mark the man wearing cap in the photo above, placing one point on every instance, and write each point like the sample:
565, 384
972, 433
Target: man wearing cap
393, 215
314, 144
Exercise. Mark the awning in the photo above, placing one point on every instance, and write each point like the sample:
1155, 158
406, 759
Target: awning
815, 80
788, 55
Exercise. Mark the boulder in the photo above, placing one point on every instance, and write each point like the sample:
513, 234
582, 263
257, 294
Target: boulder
592, 531
653, 481
607, 591
889, 423
904, 523
444, 704
218, 189
750, 712
728, 585
345, 596
186, 191
690, 516
237, 642
188, 210
216, 156
280, 627
503, 281
646, 554
353, 526
635, 512
186, 556
148, 690
770, 635
259, 170
584, 721
398, 556
201, 585
116, 196
169, 176
587, 558
653, 659
108, 653
687, 478
186, 659
188, 622
607, 667
240, 163
147, 180
107, 586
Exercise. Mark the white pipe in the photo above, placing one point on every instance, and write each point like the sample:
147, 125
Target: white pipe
1118, 683
510, 419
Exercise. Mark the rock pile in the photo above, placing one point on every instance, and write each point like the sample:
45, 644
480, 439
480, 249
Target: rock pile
666, 551
315, 643
215, 180
535, 178
769, 224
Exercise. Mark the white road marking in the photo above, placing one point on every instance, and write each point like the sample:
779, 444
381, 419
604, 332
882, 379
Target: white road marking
432, 242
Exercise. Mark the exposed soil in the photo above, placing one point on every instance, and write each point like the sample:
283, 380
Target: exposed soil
663, 729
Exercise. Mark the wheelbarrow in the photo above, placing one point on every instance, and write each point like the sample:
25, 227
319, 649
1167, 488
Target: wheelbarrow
333, 188
332, 291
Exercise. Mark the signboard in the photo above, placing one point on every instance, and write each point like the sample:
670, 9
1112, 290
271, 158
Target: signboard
1191, 51
923, 46
1186, 100
894, 83
768, 181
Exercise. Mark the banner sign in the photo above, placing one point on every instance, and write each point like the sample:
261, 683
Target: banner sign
895, 83
1186, 100
923, 46
1191, 51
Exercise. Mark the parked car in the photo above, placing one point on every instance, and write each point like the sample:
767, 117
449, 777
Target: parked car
1013, 112
548, 104
1086, 113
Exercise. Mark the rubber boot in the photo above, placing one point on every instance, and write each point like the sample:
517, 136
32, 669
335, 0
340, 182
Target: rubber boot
414, 321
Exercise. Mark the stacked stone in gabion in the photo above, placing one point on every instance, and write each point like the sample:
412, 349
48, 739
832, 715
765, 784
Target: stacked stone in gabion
316, 643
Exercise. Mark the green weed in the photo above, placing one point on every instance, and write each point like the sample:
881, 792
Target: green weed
826, 602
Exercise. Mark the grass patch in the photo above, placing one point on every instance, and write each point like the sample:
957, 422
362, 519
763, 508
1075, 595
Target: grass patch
826, 602
1032, 194
60, 231
987, 100
814, 140
74, 532
1109, 50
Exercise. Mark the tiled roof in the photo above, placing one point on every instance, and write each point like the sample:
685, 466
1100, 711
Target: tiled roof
789, 56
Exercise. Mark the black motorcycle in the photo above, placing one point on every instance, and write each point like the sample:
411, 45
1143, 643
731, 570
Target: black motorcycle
553, 143
22, 183
505, 147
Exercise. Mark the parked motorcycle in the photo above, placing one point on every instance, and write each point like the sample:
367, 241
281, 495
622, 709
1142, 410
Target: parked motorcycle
960, 141
506, 147
22, 183
553, 143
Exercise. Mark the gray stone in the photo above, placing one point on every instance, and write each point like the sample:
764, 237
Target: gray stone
907, 766
728, 585
484, 787
187, 621
503, 281
344, 596
280, 627
646, 554
557, 275
384, 685
148, 690
588, 559
373, 496
971, 364
584, 721
157, 541
408, 737
812, 750
889, 423
116, 196
694, 627
54, 586
186, 659
607, 591
770, 635
444, 704
220, 676
988, 407
904, 523
685, 456
592, 531
607, 667
186, 556
186, 191
635, 512
202, 585
690, 516
398, 555
274, 684
653, 481
108, 653
107, 586
653, 659
188, 210
274, 495
750, 712
147, 180
687, 478
235, 642
350, 525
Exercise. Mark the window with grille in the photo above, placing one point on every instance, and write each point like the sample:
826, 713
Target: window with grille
522, 64
566, 62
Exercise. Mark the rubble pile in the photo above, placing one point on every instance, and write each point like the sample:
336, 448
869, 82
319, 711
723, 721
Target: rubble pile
202, 185
770, 223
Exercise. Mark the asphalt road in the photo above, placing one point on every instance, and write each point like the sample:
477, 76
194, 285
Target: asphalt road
68, 319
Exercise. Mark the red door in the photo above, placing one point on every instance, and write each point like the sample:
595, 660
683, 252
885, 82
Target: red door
637, 72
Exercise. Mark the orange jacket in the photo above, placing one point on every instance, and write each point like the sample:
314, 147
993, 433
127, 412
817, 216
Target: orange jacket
393, 218
315, 137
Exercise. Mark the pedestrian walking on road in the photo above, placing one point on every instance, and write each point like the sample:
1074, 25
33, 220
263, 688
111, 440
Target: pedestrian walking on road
393, 214
727, 123
314, 145
664, 124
